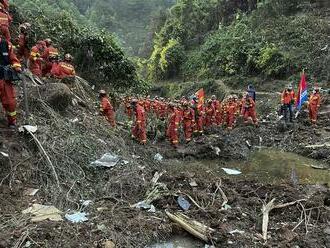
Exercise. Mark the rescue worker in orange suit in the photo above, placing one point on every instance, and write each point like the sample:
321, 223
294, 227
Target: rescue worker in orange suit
231, 109
106, 108
35, 60
173, 125
217, 106
314, 105
147, 104
5, 4
64, 69
23, 50
209, 114
128, 107
155, 105
7, 90
288, 101
249, 109
200, 117
139, 126
5, 20
50, 56
188, 121
162, 109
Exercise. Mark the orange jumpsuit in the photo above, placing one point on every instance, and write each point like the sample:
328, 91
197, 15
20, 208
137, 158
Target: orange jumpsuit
50, 55
218, 112
188, 123
63, 70
313, 106
173, 126
107, 110
230, 109
5, 4
128, 108
5, 20
249, 110
147, 105
7, 90
200, 116
210, 115
35, 61
139, 127
162, 110
155, 107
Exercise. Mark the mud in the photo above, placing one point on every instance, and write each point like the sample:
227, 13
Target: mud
72, 144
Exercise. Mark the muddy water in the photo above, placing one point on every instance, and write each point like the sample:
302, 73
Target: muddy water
273, 166
265, 166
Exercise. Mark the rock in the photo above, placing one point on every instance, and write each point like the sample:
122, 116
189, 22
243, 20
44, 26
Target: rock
109, 244
57, 95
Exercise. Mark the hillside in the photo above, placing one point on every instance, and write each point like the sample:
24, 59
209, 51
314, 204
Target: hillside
243, 39
97, 55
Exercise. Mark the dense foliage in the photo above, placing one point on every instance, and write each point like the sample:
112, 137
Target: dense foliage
218, 38
97, 56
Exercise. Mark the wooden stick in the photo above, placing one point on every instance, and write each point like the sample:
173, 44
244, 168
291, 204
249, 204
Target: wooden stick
269, 207
187, 227
46, 156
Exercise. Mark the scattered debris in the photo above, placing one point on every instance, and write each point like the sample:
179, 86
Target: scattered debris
74, 120
135, 156
77, 217
30, 192
28, 128
124, 162
86, 203
144, 205
42, 212
108, 160
101, 228
183, 203
4, 154
195, 228
269, 207
109, 244
231, 171
236, 231
193, 183
101, 209
158, 157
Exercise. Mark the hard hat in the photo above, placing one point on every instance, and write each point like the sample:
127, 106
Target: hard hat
48, 41
102, 92
134, 100
42, 43
213, 97
68, 57
290, 87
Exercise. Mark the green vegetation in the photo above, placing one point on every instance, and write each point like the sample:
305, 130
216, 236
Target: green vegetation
98, 57
270, 39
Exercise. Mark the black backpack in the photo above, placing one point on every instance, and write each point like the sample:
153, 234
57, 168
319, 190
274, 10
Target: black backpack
6, 71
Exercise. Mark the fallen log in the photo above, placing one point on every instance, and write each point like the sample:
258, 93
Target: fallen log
193, 227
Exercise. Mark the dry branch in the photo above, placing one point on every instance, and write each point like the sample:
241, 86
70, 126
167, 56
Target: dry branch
269, 207
195, 228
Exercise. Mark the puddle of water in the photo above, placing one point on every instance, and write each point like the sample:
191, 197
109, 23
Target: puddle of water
266, 166
178, 242
274, 166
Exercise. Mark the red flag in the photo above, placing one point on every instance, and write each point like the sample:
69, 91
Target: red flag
200, 94
302, 92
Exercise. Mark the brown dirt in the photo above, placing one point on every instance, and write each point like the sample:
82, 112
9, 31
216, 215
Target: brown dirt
72, 145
